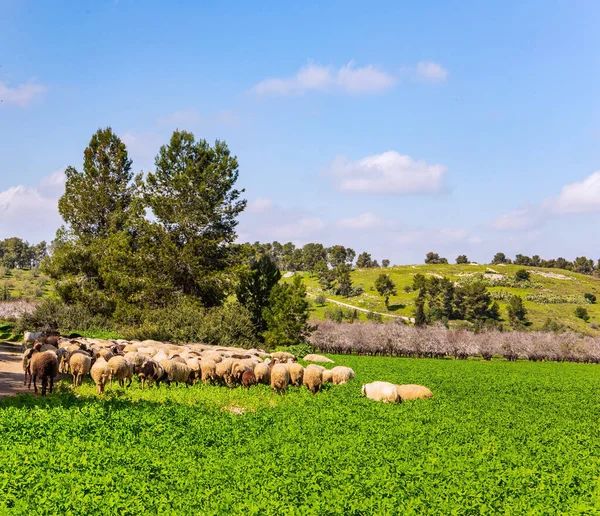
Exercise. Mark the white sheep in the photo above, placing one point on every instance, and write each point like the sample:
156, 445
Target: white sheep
80, 364
381, 391
280, 378
100, 374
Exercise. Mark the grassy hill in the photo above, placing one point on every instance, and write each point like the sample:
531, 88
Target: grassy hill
26, 285
541, 296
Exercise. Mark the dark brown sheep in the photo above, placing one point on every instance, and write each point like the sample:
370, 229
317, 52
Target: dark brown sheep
248, 378
45, 366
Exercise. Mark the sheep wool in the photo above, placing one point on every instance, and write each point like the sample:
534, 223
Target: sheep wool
283, 355
413, 392
121, 369
177, 372
80, 365
248, 378
43, 365
317, 358
313, 378
327, 375
381, 391
280, 378
262, 373
136, 358
208, 370
341, 374
296, 374
100, 374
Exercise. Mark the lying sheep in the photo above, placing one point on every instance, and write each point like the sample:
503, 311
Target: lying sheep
120, 369
280, 378
296, 374
313, 378
100, 373
317, 358
152, 371
80, 364
413, 392
43, 365
341, 374
262, 372
177, 372
381, 391
283, 355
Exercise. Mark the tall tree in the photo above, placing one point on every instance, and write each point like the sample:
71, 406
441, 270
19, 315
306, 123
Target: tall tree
98, 199
385, 287
254, 288
499, 258
364, 261
192, 194
462, 259
287, 315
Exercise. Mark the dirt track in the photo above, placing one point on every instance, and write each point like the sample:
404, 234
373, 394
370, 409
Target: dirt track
11, 371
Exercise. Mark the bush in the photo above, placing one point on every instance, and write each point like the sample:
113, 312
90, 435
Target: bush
408, 289
300, 350
582, 313
320, 300
522, 275
372, 316
591, 298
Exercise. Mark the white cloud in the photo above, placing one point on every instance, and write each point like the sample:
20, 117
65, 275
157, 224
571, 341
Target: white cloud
313, 77
54, 184
389, 172
431, 72
260, 205
365, 220
184, 116
580, 197
525, 218
30, 212
21, 95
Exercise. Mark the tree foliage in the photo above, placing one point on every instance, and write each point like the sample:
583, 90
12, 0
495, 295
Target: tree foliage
385, 287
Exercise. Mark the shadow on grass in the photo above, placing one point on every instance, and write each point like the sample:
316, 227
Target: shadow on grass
393, 308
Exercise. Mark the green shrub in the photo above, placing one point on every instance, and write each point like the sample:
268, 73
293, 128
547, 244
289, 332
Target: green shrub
582, 313
320, 300
522, 275
372, 316
300, 350
591, 298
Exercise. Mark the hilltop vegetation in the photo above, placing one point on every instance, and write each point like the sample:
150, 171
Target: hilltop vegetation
549, 294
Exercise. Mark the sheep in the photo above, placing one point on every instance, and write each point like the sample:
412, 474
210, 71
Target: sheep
341, 374
280, 378
152, 371
248, 378
105, 353
327, 375
317, 358
413, 392
296, 374
313, 378
100, 373
178, 358
212, 355
284, 355
381, 391
262, 372
137, 359
177, 372
160, 356
29, 338
43, 364
208, 370
223, 371
194, 364
120, 369
238, 368
80, 365
26, 362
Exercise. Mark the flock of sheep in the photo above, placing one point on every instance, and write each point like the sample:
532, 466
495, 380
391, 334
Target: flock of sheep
156, 362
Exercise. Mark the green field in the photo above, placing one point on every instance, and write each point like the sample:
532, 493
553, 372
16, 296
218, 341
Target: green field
403, 303
498, 437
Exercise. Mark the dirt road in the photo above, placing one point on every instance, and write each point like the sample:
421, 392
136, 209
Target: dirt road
410, 319
11, 371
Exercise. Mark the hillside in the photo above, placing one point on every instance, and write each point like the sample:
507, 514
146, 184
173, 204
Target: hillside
557, 292
24, 284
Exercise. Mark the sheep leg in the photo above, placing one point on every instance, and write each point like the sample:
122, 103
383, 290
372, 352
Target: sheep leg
130, 382
44, 385
51, 383
35, 384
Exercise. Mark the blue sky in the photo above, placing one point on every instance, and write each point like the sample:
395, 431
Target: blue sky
392, 127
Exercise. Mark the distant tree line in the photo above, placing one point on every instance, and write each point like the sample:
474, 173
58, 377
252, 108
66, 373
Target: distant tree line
16, 253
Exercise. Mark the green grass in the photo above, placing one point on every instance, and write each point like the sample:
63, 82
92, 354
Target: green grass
498, 437
403, 303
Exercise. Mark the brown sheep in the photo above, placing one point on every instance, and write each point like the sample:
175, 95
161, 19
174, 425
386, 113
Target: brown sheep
248, 378
44, 364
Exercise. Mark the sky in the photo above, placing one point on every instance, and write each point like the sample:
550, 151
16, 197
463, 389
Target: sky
395, 128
